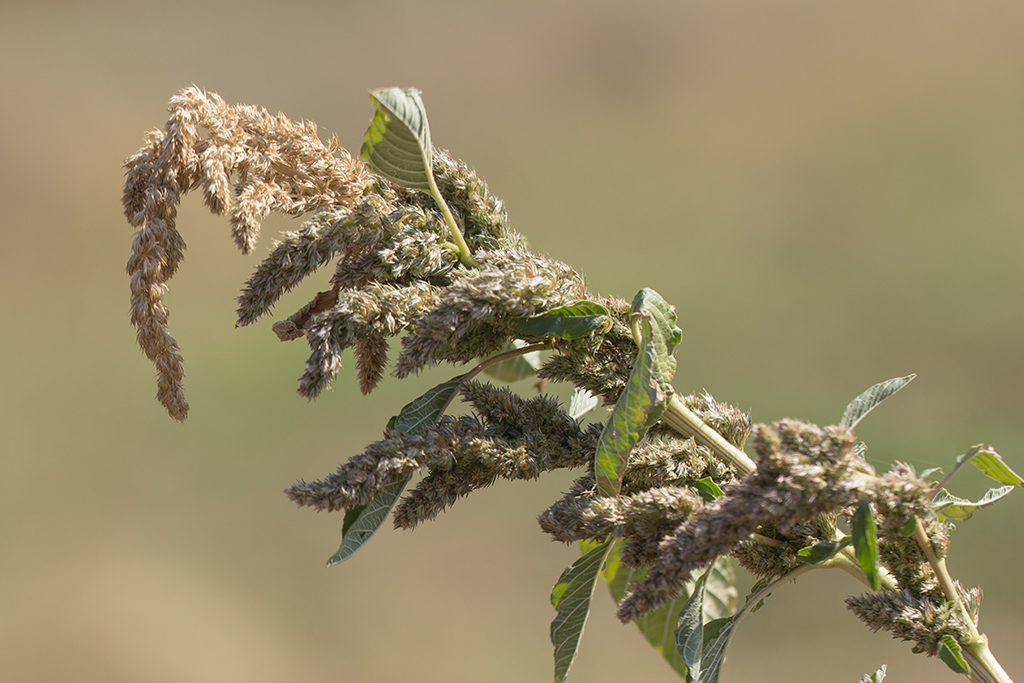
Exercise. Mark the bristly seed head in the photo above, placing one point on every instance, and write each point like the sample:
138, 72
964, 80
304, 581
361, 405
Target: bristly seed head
279, 166
395, 275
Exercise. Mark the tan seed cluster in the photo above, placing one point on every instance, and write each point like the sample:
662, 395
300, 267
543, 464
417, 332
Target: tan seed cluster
248, 164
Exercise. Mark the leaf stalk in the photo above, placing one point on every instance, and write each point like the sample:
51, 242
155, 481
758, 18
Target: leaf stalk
461, 248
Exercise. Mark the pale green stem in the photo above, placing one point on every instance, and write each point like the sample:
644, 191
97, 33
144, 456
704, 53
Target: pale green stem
984, 667
461, 248
938, 565
687, 423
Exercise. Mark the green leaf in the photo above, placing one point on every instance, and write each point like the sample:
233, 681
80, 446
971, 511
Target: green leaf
959, 509
567, 322
639, 406
667, 334
986, 460
659, 625
949, 652
717, 635
718, 632
908, 527
428, 408
398, 147
581, 308
876, 677
362, 522
398, 139
689, 631
571, 598
992, 465
588, 544
822, 551
864, 545
708, 489
866, 402
560, 327
647, 391
720, 595
581, 402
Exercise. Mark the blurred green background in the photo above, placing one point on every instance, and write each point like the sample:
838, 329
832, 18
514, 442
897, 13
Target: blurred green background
830, 193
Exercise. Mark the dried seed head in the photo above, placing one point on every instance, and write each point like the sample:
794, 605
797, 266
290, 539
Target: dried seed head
728, 421
280, 166
397, 456
375, 310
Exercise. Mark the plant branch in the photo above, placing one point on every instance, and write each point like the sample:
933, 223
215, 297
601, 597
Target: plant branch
985, 668
686, 422
946, 582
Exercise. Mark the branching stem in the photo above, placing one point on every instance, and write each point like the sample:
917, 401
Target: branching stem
985, 668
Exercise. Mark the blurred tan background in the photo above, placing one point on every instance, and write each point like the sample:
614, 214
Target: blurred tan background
830, 193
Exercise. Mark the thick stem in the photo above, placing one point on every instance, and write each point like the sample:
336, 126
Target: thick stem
984, 667
846, 559
687, 423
